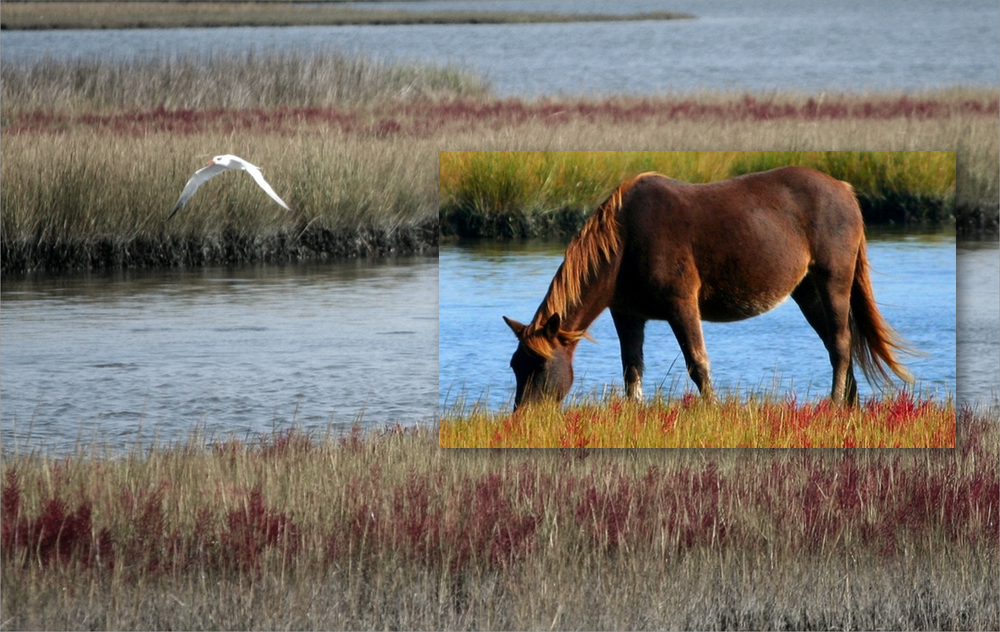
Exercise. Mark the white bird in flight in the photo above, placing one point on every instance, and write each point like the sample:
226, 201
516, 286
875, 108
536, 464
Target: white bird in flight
216, 166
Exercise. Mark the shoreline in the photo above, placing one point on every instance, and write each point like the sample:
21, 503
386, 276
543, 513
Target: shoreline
229, 247
970, 222
153, 15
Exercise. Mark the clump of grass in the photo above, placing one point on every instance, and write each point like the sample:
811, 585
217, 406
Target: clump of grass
363, 532
898, 421
528, 193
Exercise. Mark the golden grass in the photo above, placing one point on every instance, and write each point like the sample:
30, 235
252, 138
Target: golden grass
901, 421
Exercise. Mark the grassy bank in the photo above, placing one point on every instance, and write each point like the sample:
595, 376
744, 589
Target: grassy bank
132, 15
295, 531
90, 178
537, 193
95, 153
70, 202
898, 421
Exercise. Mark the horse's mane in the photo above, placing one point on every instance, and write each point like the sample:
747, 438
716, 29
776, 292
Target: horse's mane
597, 242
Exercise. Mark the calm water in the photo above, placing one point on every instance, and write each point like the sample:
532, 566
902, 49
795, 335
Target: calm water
242, 351
751, 44
233, 351
913, 278
979, 321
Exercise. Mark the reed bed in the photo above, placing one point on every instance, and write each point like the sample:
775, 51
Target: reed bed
528, 193
898, 421
72, 203
95, 152
362, 532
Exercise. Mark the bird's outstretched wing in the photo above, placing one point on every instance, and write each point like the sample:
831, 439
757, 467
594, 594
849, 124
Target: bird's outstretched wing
214, 168
199, 178
259, 177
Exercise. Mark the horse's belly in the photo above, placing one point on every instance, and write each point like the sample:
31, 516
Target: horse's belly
724, 307
740, 296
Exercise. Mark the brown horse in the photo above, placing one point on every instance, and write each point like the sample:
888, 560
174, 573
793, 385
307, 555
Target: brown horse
662, 249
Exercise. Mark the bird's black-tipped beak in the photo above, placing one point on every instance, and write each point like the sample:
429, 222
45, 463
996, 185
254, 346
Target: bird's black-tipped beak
174, 212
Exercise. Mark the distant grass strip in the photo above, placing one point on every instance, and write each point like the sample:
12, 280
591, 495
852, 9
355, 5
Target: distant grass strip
135, 15
525, 194
372, 532
274, 80
900, 421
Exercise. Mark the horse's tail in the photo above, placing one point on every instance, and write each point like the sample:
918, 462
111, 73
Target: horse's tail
873, 341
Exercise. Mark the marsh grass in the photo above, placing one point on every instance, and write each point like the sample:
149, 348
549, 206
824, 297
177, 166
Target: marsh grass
755, 421
223, 80
96, 153
864, 127
301, 531
70, 202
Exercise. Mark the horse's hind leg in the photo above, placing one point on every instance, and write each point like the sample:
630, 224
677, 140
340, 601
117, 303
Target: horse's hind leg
830, 319
631, 331
685, 321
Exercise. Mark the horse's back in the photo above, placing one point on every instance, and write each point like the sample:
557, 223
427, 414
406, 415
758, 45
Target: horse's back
741, 244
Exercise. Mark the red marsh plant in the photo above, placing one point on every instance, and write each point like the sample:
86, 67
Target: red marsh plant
295, 511
425, 118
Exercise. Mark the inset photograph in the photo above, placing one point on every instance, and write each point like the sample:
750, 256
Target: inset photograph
697, 299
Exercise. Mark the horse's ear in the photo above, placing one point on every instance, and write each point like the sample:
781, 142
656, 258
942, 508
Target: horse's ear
552, 326
515, 326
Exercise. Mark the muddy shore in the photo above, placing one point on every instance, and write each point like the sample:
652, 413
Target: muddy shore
230, 247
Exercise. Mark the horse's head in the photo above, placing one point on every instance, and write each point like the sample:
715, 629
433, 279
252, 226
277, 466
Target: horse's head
543, 362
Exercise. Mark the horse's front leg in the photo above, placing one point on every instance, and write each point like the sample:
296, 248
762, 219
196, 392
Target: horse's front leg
685, 321
631, 330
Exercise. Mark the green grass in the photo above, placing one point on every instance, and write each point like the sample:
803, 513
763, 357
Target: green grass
145, 14
389, 531
526, 193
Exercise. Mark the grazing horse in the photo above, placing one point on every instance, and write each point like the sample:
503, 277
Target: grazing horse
662, 249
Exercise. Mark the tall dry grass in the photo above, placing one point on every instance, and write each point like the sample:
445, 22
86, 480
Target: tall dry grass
297, 531
224, 80
71, 202
96, 153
